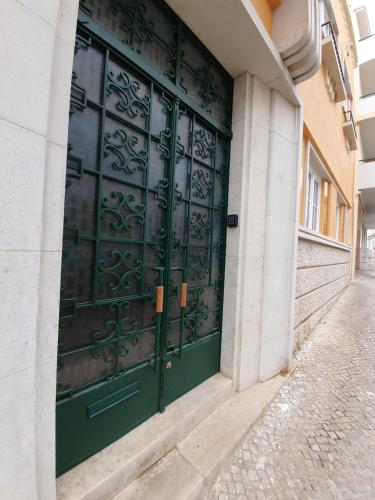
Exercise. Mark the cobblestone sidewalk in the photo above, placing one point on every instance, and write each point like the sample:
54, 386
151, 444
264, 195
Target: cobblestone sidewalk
317, 439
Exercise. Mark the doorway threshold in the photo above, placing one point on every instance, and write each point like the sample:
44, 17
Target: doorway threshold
187, 471
111, 470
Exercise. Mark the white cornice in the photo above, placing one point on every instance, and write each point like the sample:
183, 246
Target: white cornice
306, 234
296, 33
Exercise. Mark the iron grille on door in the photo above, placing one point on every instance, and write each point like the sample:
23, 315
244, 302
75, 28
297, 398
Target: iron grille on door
145, 206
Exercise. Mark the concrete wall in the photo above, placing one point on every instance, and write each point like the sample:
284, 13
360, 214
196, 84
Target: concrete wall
323, 271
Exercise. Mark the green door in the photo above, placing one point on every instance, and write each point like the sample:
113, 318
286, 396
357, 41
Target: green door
145, 214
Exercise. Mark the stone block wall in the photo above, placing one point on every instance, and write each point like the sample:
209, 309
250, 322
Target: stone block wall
323, 271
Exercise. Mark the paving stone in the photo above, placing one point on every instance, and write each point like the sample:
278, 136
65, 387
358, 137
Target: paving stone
317, 439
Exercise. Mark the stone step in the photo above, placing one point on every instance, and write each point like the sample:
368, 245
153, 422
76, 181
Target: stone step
172, 478
187, 471
108, 472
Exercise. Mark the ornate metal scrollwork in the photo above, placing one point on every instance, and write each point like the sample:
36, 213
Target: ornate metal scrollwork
127, 90
204, 80
127, 326
196, 312
117, 279
135, 25
167, 101
160, 194
172, 51
198, 266
119, 332
205, 143
122, 201
129, 162
106, 352
114, 269
101, 342
202, 184
172, 58
165, 135
158, 242
200, 226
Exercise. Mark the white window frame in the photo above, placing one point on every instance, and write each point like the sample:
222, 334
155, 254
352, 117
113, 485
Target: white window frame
313, 200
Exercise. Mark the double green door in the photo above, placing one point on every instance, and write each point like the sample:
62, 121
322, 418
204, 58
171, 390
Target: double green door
144, 227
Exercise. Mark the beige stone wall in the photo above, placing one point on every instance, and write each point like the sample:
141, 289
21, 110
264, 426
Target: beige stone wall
323, 271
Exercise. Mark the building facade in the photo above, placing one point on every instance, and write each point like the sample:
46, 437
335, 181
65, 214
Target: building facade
363, 14
328, 196
155, 155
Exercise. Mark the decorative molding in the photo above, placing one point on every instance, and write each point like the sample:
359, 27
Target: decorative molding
296, 34
306, 234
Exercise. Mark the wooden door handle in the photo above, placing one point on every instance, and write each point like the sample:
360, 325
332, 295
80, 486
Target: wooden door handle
159, 299
183, 294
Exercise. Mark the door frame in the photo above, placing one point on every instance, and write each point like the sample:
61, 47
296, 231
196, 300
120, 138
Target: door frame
205, 366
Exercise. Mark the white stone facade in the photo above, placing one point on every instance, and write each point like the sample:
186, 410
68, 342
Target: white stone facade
260, 254
36, 51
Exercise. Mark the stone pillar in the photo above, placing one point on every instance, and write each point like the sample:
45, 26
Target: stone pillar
260, 262
245, 245
35, 78
280, 243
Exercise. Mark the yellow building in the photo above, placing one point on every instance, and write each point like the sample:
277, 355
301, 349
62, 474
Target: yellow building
329, 147
328, 194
